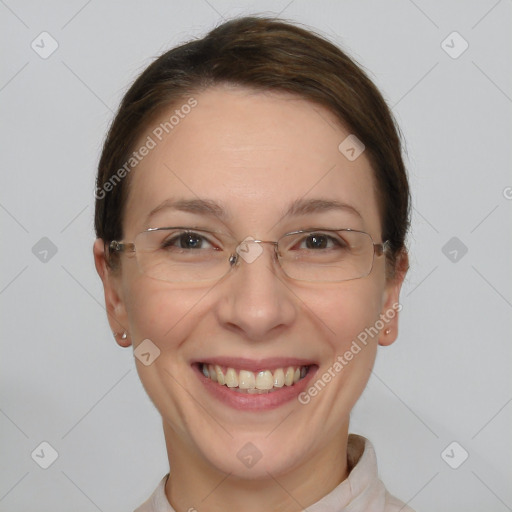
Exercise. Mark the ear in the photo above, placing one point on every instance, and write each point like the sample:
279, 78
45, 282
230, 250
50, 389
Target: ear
392, 306
114, 303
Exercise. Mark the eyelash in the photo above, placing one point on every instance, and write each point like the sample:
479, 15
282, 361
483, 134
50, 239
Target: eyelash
172, 239
176, 237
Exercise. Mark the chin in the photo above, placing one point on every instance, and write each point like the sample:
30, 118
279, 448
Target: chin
255, 456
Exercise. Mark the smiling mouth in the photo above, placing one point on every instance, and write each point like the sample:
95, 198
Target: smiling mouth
261, 382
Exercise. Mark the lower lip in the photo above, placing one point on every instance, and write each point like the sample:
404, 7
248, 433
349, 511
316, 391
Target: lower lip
246, 401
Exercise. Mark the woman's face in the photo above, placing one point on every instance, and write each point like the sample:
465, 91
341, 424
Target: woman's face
253, 155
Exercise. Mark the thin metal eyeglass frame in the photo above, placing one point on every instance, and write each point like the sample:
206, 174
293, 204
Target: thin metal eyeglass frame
234, 258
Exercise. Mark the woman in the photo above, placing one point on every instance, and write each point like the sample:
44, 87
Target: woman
252, 207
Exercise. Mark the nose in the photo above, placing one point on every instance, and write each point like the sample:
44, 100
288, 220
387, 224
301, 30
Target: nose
256, 300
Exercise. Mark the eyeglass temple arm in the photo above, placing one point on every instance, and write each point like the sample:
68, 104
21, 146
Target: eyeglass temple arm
116, 246
381, 248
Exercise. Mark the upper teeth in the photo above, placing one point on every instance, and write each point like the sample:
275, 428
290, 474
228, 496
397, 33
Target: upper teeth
263, 380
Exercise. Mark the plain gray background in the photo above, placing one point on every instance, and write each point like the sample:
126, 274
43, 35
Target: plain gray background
65, 382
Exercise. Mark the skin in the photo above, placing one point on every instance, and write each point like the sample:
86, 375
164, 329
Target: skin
254, 153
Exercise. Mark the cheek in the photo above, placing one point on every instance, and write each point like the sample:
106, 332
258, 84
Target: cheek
354, 312
160, 312
166, 316
348, 351
347, 310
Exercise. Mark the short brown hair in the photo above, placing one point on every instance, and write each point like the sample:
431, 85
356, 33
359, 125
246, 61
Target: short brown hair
263, 54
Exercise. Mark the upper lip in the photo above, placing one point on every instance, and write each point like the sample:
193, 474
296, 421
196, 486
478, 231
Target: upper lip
255, 365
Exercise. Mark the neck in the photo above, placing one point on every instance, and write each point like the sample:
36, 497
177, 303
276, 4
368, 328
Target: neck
194, 484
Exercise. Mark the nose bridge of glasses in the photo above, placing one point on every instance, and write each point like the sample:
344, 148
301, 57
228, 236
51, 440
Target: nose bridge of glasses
271, 242
250, 249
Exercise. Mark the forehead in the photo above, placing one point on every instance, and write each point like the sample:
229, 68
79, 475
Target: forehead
252, 153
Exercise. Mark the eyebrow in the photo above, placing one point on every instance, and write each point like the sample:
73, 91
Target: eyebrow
306, 206
198, 206
212, 209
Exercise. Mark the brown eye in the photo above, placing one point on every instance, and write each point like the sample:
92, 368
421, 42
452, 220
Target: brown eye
316, 242
190, 241
186, 240
322, 241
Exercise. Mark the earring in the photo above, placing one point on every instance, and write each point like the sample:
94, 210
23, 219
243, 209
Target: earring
387, 331
123, 335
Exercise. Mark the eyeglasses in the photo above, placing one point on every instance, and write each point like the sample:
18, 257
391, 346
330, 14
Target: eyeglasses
183, 254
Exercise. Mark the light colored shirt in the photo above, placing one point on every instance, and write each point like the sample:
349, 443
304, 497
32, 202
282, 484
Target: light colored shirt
361, 491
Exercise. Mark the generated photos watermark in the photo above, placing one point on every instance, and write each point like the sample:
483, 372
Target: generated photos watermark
151, 142
355, 348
